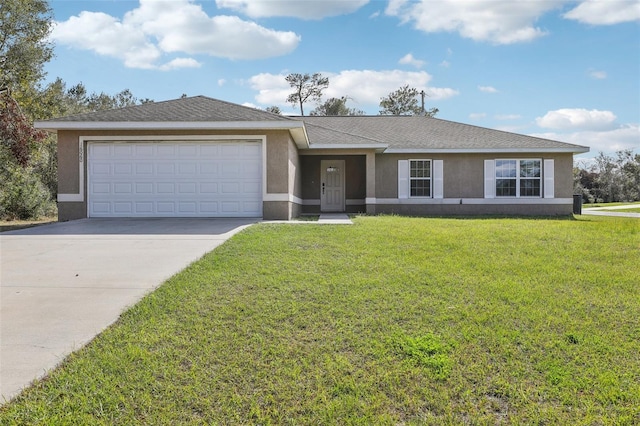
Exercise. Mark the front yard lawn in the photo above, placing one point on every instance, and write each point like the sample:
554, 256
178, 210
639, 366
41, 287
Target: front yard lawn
389, 321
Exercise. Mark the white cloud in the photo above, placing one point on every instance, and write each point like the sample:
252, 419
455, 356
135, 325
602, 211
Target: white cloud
222, 82
147, 33
496, 21
577, 118
598, 75
180, 63
107, 36
487, 89
438, 93
477, 115
272, 89
292, 8
445, 64
363, 87
610, 141
408, 59
605, 12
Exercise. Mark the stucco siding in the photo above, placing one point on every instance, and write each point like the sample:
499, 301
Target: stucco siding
278, 163
68, 161
463, 174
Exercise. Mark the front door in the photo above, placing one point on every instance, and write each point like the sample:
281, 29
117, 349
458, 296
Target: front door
332, 186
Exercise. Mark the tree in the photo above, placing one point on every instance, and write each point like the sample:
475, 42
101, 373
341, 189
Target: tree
306, 87
22, 194
24, 48
610, 178
629, 166
16, 132
56, 100
336, 106
404, 102
274, 109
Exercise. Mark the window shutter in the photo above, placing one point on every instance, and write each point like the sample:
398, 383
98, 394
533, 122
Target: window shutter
489, 179
438, 187
549, 184
403, 178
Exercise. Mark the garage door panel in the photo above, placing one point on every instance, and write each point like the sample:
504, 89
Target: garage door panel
123, 151
144, 169
162, 179
144, 188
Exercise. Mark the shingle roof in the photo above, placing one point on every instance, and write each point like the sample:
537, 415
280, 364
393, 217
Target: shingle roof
192, 109
382, 132
419, 133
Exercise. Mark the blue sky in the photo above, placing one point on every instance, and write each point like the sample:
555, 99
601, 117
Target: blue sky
566, 70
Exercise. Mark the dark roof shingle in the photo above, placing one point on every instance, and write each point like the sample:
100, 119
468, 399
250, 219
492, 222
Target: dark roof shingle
192, 109
419, 133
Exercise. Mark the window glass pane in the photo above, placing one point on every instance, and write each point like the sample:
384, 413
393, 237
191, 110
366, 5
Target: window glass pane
505, 168
506, 187
421, 188
420, 168
529, 168
530, 187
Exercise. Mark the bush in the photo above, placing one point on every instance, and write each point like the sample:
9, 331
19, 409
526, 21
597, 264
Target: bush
23, 196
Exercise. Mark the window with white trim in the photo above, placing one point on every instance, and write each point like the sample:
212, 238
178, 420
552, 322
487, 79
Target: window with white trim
420, 178
518, 178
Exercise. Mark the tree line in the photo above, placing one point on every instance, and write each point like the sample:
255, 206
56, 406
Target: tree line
609, 178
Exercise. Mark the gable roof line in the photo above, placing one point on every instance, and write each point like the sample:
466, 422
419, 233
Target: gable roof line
374, 140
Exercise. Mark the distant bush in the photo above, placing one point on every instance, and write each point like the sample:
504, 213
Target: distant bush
22, 195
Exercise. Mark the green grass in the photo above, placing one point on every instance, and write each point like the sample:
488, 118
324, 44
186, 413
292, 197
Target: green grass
389, 321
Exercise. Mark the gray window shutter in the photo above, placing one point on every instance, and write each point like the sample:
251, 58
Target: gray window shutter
438, 184
403, 178
549, 184
489, 179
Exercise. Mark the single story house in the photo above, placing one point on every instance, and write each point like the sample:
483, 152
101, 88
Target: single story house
202, 157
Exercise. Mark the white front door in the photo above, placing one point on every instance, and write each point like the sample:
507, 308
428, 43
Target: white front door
332, 186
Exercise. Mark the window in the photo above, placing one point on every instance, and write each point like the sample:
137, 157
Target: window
420, 178
518, 178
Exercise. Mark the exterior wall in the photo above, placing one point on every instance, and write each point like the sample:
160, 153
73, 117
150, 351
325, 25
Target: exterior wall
295, 177
463, 187
281, 161
71, 211
355, 181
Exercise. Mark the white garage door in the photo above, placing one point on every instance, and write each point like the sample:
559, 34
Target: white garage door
175, 179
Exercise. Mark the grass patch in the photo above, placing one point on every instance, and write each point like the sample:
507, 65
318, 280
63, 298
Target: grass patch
390, 321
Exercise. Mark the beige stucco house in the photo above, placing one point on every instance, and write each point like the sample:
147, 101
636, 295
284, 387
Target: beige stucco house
202, 157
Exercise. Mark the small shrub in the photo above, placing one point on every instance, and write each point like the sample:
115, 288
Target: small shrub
23, 196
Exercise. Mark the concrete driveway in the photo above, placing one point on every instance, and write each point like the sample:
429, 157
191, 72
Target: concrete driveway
63, 283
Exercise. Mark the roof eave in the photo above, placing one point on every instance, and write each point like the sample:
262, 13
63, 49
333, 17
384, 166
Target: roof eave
296, 128
375, 146
575, 149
